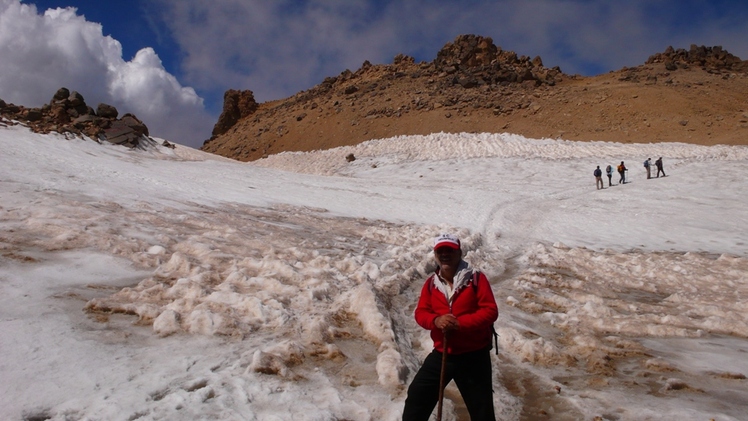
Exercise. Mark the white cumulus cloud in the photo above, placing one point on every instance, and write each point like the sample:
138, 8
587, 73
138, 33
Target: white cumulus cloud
59, 48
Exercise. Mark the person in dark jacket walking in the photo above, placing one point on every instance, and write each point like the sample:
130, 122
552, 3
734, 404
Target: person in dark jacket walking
658, 164
458, 306
609, 173
622, 172
598, 178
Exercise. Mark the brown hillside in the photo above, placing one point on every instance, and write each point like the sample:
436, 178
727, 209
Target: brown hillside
698, 96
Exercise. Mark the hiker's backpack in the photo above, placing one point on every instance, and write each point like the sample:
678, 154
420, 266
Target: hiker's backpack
476, 277
620, 168
597, 173
646, 164
609, 169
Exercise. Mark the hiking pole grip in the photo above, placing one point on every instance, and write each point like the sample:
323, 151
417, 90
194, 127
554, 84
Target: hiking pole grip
441, 378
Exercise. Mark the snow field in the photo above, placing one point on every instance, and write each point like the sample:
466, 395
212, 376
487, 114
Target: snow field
170, 284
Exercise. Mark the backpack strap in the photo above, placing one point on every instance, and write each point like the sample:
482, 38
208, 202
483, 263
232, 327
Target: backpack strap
430, 282
476, 277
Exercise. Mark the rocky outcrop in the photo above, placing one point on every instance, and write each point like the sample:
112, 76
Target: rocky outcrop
712, 59
106, 111
67, 112
476, 61
126, 131
236, 105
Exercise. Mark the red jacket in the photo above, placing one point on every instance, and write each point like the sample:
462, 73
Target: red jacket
473, 305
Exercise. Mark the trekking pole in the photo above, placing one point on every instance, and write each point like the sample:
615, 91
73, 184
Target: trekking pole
441, 379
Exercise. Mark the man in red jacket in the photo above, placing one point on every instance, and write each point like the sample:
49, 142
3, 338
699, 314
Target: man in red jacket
456, 301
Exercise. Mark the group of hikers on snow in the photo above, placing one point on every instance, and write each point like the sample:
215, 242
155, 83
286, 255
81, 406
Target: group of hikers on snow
598, 173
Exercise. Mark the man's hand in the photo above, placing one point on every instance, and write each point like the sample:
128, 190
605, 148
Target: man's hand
447, 322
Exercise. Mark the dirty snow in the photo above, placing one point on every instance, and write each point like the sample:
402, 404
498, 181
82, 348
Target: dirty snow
170, 284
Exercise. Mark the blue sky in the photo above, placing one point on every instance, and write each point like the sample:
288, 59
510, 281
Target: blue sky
176, 58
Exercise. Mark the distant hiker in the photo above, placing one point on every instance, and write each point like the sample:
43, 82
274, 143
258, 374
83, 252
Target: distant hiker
648, 166
622, 172
658, 164
599, 178
457, 305
609, 172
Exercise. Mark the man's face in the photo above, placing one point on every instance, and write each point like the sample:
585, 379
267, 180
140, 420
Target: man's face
447, 257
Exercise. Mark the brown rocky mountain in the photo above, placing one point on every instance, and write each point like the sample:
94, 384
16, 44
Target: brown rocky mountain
699, 95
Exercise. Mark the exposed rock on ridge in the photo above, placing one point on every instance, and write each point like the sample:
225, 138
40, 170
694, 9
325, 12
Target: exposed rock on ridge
710, 59
474, 86
68, 113
476, 61
236, 105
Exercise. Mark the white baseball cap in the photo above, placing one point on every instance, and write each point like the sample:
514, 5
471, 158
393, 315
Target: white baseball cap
447, 240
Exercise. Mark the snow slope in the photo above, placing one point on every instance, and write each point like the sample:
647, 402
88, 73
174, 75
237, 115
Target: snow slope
172, 284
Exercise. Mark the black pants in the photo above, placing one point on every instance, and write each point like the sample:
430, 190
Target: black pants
472, 375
